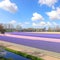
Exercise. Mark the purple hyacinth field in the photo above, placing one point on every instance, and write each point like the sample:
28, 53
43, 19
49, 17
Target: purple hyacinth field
37, 34
45, 45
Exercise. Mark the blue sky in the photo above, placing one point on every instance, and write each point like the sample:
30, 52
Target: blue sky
30, 13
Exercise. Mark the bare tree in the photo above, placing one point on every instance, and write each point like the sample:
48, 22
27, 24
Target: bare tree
2, 30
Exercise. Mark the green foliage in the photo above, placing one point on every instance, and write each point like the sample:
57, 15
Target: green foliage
33, 57
2, 58
24, 54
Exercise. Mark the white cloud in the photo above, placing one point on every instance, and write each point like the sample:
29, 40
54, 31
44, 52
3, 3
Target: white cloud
12, 22
48, 24
8, 6
55, 14
34, 24
49, 3
42, 23
26, 23
55, 24
37, 16
51, 24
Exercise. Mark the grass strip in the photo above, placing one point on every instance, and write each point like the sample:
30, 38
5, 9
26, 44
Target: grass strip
23, 54
2, 58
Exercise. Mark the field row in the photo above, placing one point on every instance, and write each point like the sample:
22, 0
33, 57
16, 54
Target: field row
37, 34
46, 45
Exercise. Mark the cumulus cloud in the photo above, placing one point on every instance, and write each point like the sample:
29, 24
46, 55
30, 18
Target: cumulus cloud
12, 22
8, 6
44, 24
49, 3
55, 14
37, 16
34, 24
48, 24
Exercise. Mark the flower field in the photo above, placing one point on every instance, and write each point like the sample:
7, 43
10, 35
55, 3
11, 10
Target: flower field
45, 45
37, 34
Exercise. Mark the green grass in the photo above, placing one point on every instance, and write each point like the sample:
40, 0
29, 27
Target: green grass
2, 58
23, 54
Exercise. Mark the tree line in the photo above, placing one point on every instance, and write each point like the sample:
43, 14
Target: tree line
19, 28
